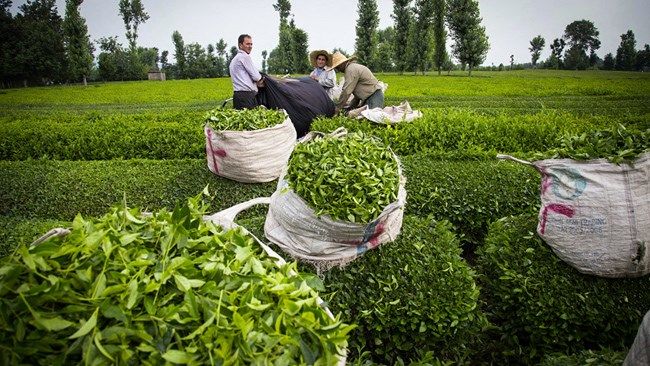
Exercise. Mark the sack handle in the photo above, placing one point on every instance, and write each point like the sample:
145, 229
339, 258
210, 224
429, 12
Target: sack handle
59, 231
339, 132
509, 157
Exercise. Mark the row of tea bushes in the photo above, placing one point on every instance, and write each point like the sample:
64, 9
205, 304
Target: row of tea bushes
442, 130
60, 189
541, 305
103, 140
470, 194
452, 129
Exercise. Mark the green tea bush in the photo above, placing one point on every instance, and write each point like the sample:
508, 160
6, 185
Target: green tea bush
409, 297
58, 190
604, 357
453, 129
542, 305
103, 140
470, 194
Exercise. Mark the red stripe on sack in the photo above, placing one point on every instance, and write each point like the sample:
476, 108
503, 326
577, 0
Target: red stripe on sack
559, 208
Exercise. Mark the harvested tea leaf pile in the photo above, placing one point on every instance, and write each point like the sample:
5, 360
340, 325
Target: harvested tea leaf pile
617, 144
244, 120
128, 289
350, 178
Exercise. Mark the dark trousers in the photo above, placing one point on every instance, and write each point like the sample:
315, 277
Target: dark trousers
244, 99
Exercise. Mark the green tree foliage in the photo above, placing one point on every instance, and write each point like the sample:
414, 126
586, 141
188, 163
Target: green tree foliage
581, 36
421, 36
197, 61
164, 60
554, 61
211, 59
8, 67
179, 55
402, 15
366, 29
609, 63
132, 12
643, 58
77, 42
299, 49
112, 62
281, 58
40, 51
265, 54
384, 58
536, 46
470, 41
626, 52
439, 34
221, 58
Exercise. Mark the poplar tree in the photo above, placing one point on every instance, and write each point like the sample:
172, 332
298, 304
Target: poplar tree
439, 34
77, 43
179, 55
281, 58
421, 36
536, 46
470, 41
366, 30
402, 16
626, 52
132, 12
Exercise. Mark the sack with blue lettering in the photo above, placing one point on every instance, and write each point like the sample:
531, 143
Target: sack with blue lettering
595, 215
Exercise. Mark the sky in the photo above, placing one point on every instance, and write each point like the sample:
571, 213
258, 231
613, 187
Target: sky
510, 24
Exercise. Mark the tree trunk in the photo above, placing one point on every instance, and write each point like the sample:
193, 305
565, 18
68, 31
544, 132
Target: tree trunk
85, 81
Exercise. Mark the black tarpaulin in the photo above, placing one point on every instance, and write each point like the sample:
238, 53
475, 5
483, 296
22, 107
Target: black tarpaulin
304, 99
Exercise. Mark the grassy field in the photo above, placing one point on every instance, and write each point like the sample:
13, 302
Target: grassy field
75, 149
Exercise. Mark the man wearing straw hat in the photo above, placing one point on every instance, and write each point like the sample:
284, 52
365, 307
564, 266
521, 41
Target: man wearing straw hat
326, 78
359, 82
245, 77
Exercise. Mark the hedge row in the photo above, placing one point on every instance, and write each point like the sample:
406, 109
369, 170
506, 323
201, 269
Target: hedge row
452, 129
470, 194
542, 305
410, 297
127, 136
58, 190
103, 140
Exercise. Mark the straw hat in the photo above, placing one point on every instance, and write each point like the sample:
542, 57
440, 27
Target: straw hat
339, 58
314, 54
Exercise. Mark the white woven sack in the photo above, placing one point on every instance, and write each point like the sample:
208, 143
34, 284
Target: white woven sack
293, 226
595, 215
388, 115
250, 156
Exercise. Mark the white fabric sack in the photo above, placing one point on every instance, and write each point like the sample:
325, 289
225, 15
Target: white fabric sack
250, 156
388, 115
595, 215
293, 226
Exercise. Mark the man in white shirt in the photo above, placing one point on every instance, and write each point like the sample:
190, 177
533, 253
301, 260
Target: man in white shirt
245, 77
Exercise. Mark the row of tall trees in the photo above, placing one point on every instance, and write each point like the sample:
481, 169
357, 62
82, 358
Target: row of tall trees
581, 38
419, 35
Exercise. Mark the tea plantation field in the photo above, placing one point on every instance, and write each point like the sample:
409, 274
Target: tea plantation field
467, 282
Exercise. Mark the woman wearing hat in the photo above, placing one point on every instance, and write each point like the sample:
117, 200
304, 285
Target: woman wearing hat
326, 78
359, 82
